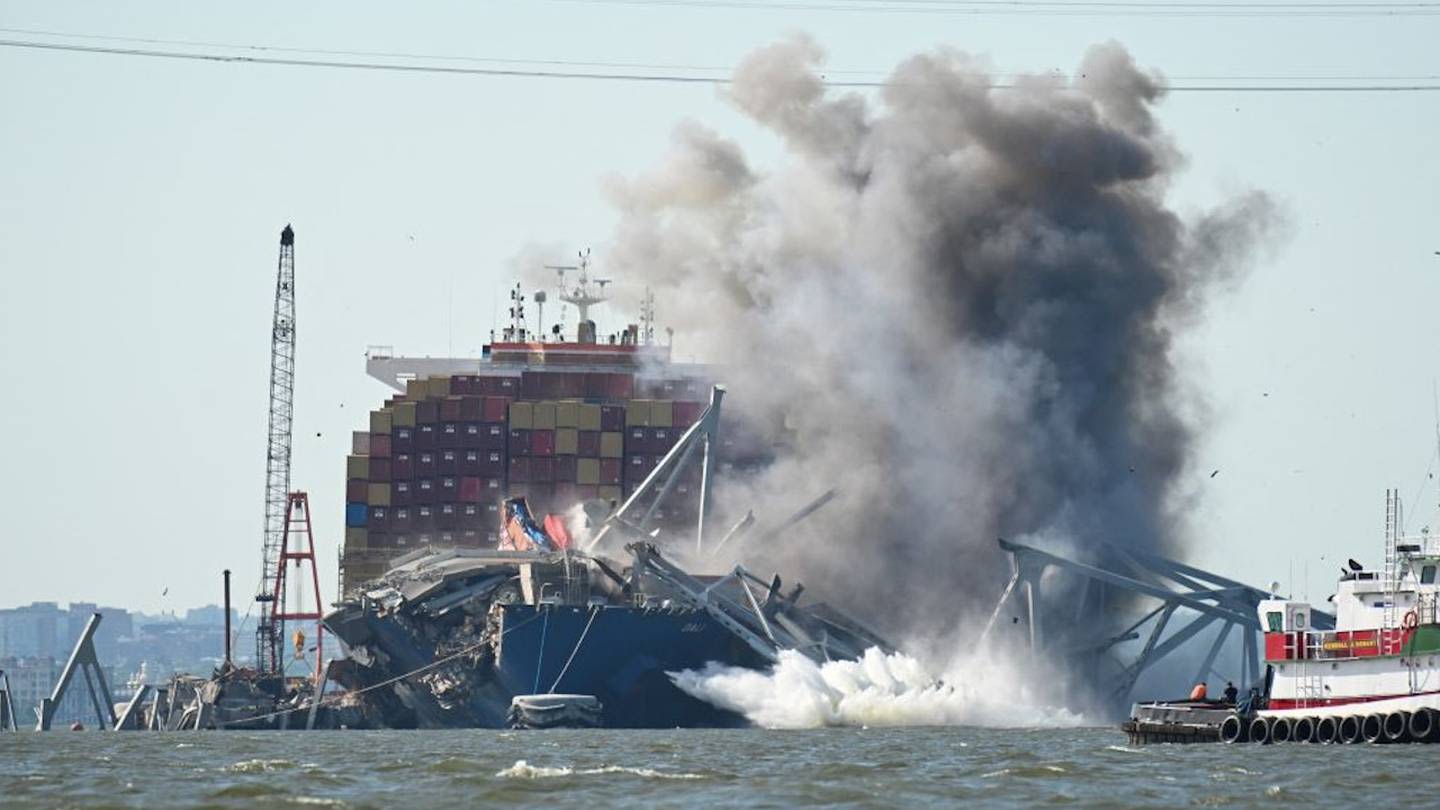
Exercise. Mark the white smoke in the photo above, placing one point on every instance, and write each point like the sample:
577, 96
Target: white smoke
880, 690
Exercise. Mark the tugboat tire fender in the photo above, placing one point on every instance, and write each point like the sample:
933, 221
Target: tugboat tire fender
1232, 729
1397, 727
1422, 725
1372, 728
1260, 731
1349, 729
1304, 730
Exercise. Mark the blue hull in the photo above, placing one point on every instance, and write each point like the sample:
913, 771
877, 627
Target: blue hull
622, 659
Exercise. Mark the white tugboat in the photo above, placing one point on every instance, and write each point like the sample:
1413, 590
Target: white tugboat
1375, 677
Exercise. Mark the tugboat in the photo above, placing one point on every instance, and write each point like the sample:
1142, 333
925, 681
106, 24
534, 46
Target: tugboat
1374, 678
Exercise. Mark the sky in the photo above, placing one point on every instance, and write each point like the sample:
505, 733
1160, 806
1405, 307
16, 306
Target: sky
141, 201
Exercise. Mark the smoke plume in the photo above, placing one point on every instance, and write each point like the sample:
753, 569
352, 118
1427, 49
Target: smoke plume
954, 302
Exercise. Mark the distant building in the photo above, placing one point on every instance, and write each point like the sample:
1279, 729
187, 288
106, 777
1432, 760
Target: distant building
44, 630
34, 678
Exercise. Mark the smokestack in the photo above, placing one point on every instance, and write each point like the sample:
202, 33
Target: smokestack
227, 616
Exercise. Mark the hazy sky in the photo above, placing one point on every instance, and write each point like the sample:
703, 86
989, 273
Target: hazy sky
141, 199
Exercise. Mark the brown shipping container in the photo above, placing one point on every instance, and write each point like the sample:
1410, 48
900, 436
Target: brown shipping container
612, 445
357, 467
542, 470
380, 421
470, 489
519, 469
507, 386
472, 409
544, 416
450, 409
587, 443
379, 469
402, 466
405, 414
567, 441
610, 472
415, 389
379, 495
437, 386
622, 386
587, 471
427, 412
356, 490
565, 468
637, 413
542, 442
380, 445
597, 385
522, 415
494, 409
685, 414
567, 414
360, 443
661, 414
356, 539
587, 416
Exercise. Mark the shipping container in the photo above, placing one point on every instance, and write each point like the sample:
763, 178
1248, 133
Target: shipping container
437, 386
356, 515
449, 487
415, 389
612, 445
404, 416
612, 418
587, 471
494, 436
360, 443
637, 413
402, 493
637, 440
586, 492
567, 441
472, 409
427, 412
588, 417
380, 421
565, 467
519, 470
519, 442
661, 440
493, 464
567, 414
610, 472
661, 414
542, 442
470, 462
380, 445
638, 466
507, 386
427, 464
447, 517
685, 414
450, 435
402, 519
449, 462
462, 385
587, 443
379, 469
356, 539
522, 415
494, 409
542, 470
402, 467
609, 493
379, 495
450, 409
402, 439
424, 491
470, 489
379, 518
544, 416
425, 437
357, 490
472, 435
424, 519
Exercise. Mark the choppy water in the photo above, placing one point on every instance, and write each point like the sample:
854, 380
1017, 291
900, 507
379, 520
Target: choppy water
935, 767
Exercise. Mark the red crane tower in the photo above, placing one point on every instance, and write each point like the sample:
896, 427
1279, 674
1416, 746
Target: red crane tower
286, 512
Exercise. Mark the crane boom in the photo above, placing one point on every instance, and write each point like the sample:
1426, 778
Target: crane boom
277, 453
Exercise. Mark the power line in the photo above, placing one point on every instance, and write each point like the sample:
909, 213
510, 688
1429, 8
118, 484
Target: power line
722, 69
1059, 8
675, 78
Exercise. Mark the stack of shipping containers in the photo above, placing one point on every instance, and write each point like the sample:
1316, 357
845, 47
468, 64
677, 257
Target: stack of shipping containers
436, 463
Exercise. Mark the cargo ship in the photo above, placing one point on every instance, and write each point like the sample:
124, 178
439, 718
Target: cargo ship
507, 527
1372, 675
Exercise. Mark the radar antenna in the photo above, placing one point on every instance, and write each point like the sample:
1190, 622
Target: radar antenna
586, 291
647, 318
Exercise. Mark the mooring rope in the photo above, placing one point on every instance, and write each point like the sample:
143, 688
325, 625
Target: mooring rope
594, 611
544, 630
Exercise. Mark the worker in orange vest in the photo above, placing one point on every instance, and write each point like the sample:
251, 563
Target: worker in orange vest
1198, 693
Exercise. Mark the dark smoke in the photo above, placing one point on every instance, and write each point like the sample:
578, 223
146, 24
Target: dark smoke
953, 302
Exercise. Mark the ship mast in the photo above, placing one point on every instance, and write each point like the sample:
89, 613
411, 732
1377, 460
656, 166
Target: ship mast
581, 293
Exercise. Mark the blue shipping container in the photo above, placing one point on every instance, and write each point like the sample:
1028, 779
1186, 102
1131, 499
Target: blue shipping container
356, 515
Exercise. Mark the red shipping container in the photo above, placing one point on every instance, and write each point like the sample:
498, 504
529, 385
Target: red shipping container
565, 468
470, 489
357, 490
542, 470
425, 437
519, 442
685, 414
612, 418
379, 469
450, 409
402, 439
542, 442
610, 472
380, 445
495, 409
572, 385
427, 412
426, 464
472, 409
589, 443
597, 385
402, 467
622, 386
449, 461
532, 384
519, 470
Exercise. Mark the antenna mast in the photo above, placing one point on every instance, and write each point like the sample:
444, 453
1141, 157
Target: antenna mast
277, 452
581, 294
647, 317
